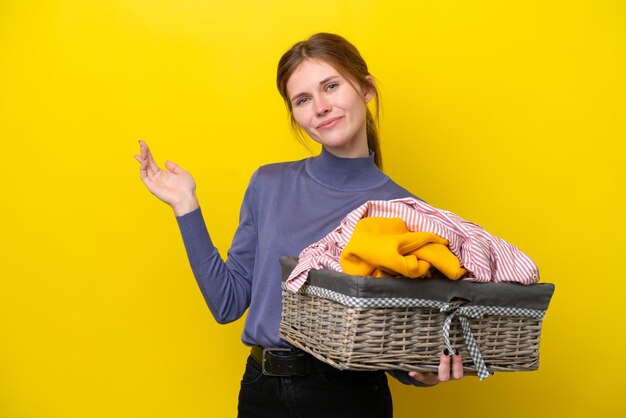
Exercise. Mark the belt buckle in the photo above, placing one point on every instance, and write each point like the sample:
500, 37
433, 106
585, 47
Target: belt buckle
270, 350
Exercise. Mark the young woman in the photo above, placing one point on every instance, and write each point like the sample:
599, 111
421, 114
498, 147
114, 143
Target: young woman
287, 206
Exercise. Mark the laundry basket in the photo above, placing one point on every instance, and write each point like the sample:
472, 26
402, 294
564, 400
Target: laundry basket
367, 323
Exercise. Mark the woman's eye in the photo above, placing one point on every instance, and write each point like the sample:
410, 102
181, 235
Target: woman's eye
301, 101
332, 86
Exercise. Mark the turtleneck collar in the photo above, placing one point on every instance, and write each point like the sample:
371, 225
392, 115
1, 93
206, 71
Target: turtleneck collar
345, 174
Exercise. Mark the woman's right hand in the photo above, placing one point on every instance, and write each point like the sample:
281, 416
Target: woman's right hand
175, 187
450, 367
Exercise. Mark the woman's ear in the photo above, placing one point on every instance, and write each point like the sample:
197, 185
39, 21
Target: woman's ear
369, 91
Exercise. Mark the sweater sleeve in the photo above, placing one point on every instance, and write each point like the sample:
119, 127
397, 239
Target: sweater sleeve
225, 285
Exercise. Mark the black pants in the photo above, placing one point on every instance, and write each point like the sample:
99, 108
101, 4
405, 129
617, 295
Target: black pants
328, 393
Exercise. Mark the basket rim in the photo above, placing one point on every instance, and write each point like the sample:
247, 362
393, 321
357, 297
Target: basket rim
437, 289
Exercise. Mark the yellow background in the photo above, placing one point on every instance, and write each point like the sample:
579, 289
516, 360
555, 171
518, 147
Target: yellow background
510, 113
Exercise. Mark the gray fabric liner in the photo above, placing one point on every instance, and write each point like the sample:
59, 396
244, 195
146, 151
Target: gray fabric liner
438, 288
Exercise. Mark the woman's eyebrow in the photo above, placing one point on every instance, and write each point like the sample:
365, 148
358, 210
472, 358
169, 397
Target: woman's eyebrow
327, 79
321, 83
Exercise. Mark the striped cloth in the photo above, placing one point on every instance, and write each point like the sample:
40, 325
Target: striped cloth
486, 258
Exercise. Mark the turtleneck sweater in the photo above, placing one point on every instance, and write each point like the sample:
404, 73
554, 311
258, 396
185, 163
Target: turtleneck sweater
286, 207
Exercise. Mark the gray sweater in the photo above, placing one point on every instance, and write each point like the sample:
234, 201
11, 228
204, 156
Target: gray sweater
286, 207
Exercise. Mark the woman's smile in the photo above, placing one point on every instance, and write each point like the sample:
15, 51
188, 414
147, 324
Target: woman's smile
329, 123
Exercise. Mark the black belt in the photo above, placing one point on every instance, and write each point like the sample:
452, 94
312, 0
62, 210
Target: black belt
286, 362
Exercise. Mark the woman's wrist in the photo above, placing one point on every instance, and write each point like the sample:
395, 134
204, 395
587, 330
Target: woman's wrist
186, 206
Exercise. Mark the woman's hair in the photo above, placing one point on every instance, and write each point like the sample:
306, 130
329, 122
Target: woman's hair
345, 58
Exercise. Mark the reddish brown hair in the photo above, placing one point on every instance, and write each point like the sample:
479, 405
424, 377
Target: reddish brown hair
346, 59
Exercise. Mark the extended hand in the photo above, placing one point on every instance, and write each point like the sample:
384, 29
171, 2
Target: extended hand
175, 187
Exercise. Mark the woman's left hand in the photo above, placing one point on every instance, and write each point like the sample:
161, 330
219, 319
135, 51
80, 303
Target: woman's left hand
450, 367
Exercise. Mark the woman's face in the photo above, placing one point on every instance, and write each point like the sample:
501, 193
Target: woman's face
329, 109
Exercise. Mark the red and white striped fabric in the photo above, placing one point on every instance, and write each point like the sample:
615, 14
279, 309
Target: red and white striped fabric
486, 258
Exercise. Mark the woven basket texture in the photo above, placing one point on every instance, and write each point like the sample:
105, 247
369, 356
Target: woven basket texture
402, 338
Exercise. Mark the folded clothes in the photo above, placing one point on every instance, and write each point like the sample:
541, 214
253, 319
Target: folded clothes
486, 258
384, 247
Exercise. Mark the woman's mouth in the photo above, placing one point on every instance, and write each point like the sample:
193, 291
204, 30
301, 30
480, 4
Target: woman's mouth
327, 124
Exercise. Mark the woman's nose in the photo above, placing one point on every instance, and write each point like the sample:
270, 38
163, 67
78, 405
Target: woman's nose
322, 106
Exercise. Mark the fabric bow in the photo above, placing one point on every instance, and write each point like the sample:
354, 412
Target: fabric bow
463, 312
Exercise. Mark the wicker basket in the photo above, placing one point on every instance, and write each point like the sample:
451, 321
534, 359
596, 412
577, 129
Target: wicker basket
363, 323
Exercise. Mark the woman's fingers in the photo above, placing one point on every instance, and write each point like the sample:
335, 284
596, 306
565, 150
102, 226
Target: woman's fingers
151, 166
143, 169
147, 169
173, 167
457, 366
143, 151
425, 378
444, 366
450, 367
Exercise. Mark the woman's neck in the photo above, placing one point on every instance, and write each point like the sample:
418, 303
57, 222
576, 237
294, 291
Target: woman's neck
345, 174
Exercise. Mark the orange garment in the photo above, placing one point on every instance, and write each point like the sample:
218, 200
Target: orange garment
383, 247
